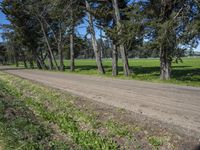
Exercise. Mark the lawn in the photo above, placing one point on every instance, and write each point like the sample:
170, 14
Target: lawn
185, 73
33, 116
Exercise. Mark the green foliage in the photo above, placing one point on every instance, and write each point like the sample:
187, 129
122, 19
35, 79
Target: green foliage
155, 141
117, 130
19, 128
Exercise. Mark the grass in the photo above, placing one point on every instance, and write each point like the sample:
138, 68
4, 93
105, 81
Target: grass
155, 141
36, 117
186, 73
19, 127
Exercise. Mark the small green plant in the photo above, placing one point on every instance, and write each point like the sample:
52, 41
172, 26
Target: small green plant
155, 141
117, 129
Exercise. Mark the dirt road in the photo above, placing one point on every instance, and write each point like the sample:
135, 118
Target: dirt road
176, 105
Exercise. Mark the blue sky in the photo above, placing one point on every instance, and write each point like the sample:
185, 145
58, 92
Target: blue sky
81, 29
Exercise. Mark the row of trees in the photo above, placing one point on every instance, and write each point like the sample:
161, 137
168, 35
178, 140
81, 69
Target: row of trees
42, 30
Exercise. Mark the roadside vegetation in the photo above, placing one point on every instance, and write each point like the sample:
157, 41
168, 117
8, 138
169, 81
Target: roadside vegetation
37, 117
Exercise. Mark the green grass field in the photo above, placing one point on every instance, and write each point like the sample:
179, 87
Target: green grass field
186, 73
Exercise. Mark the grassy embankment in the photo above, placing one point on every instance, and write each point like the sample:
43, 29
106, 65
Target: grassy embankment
36, 117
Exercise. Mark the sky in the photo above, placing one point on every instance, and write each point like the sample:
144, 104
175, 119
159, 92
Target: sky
81, 29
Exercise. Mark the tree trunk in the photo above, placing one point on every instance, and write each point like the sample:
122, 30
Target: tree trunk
94, 41
60, 53
16, 61
60, 50
101, 43
124, 61
165, 65
40, 63
50, 62
72, 64
114, 60
48, 45
123, 53
24, 60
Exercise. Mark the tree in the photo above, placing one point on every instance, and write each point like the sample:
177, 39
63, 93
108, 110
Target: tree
76, 16
94, 41
121, 46
24, 25
169, 29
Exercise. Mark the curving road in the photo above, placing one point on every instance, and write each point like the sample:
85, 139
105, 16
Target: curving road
176, 105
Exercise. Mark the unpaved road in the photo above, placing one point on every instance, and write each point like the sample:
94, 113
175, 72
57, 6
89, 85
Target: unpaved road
175, 105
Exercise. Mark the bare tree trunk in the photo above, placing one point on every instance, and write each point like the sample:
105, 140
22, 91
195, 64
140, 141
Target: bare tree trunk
40, 63
60, 51
94, 41
16, 58
48, 45
114, 60
16, 61
165, 65
121, 47
72, 63
61, 61
124, 60
101, 43
50, 62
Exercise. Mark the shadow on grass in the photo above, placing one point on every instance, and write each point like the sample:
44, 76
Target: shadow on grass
192, 75
16, 117
12, 68
20, 128
181, 73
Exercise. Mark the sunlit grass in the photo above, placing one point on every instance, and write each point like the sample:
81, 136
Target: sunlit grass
184, 73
